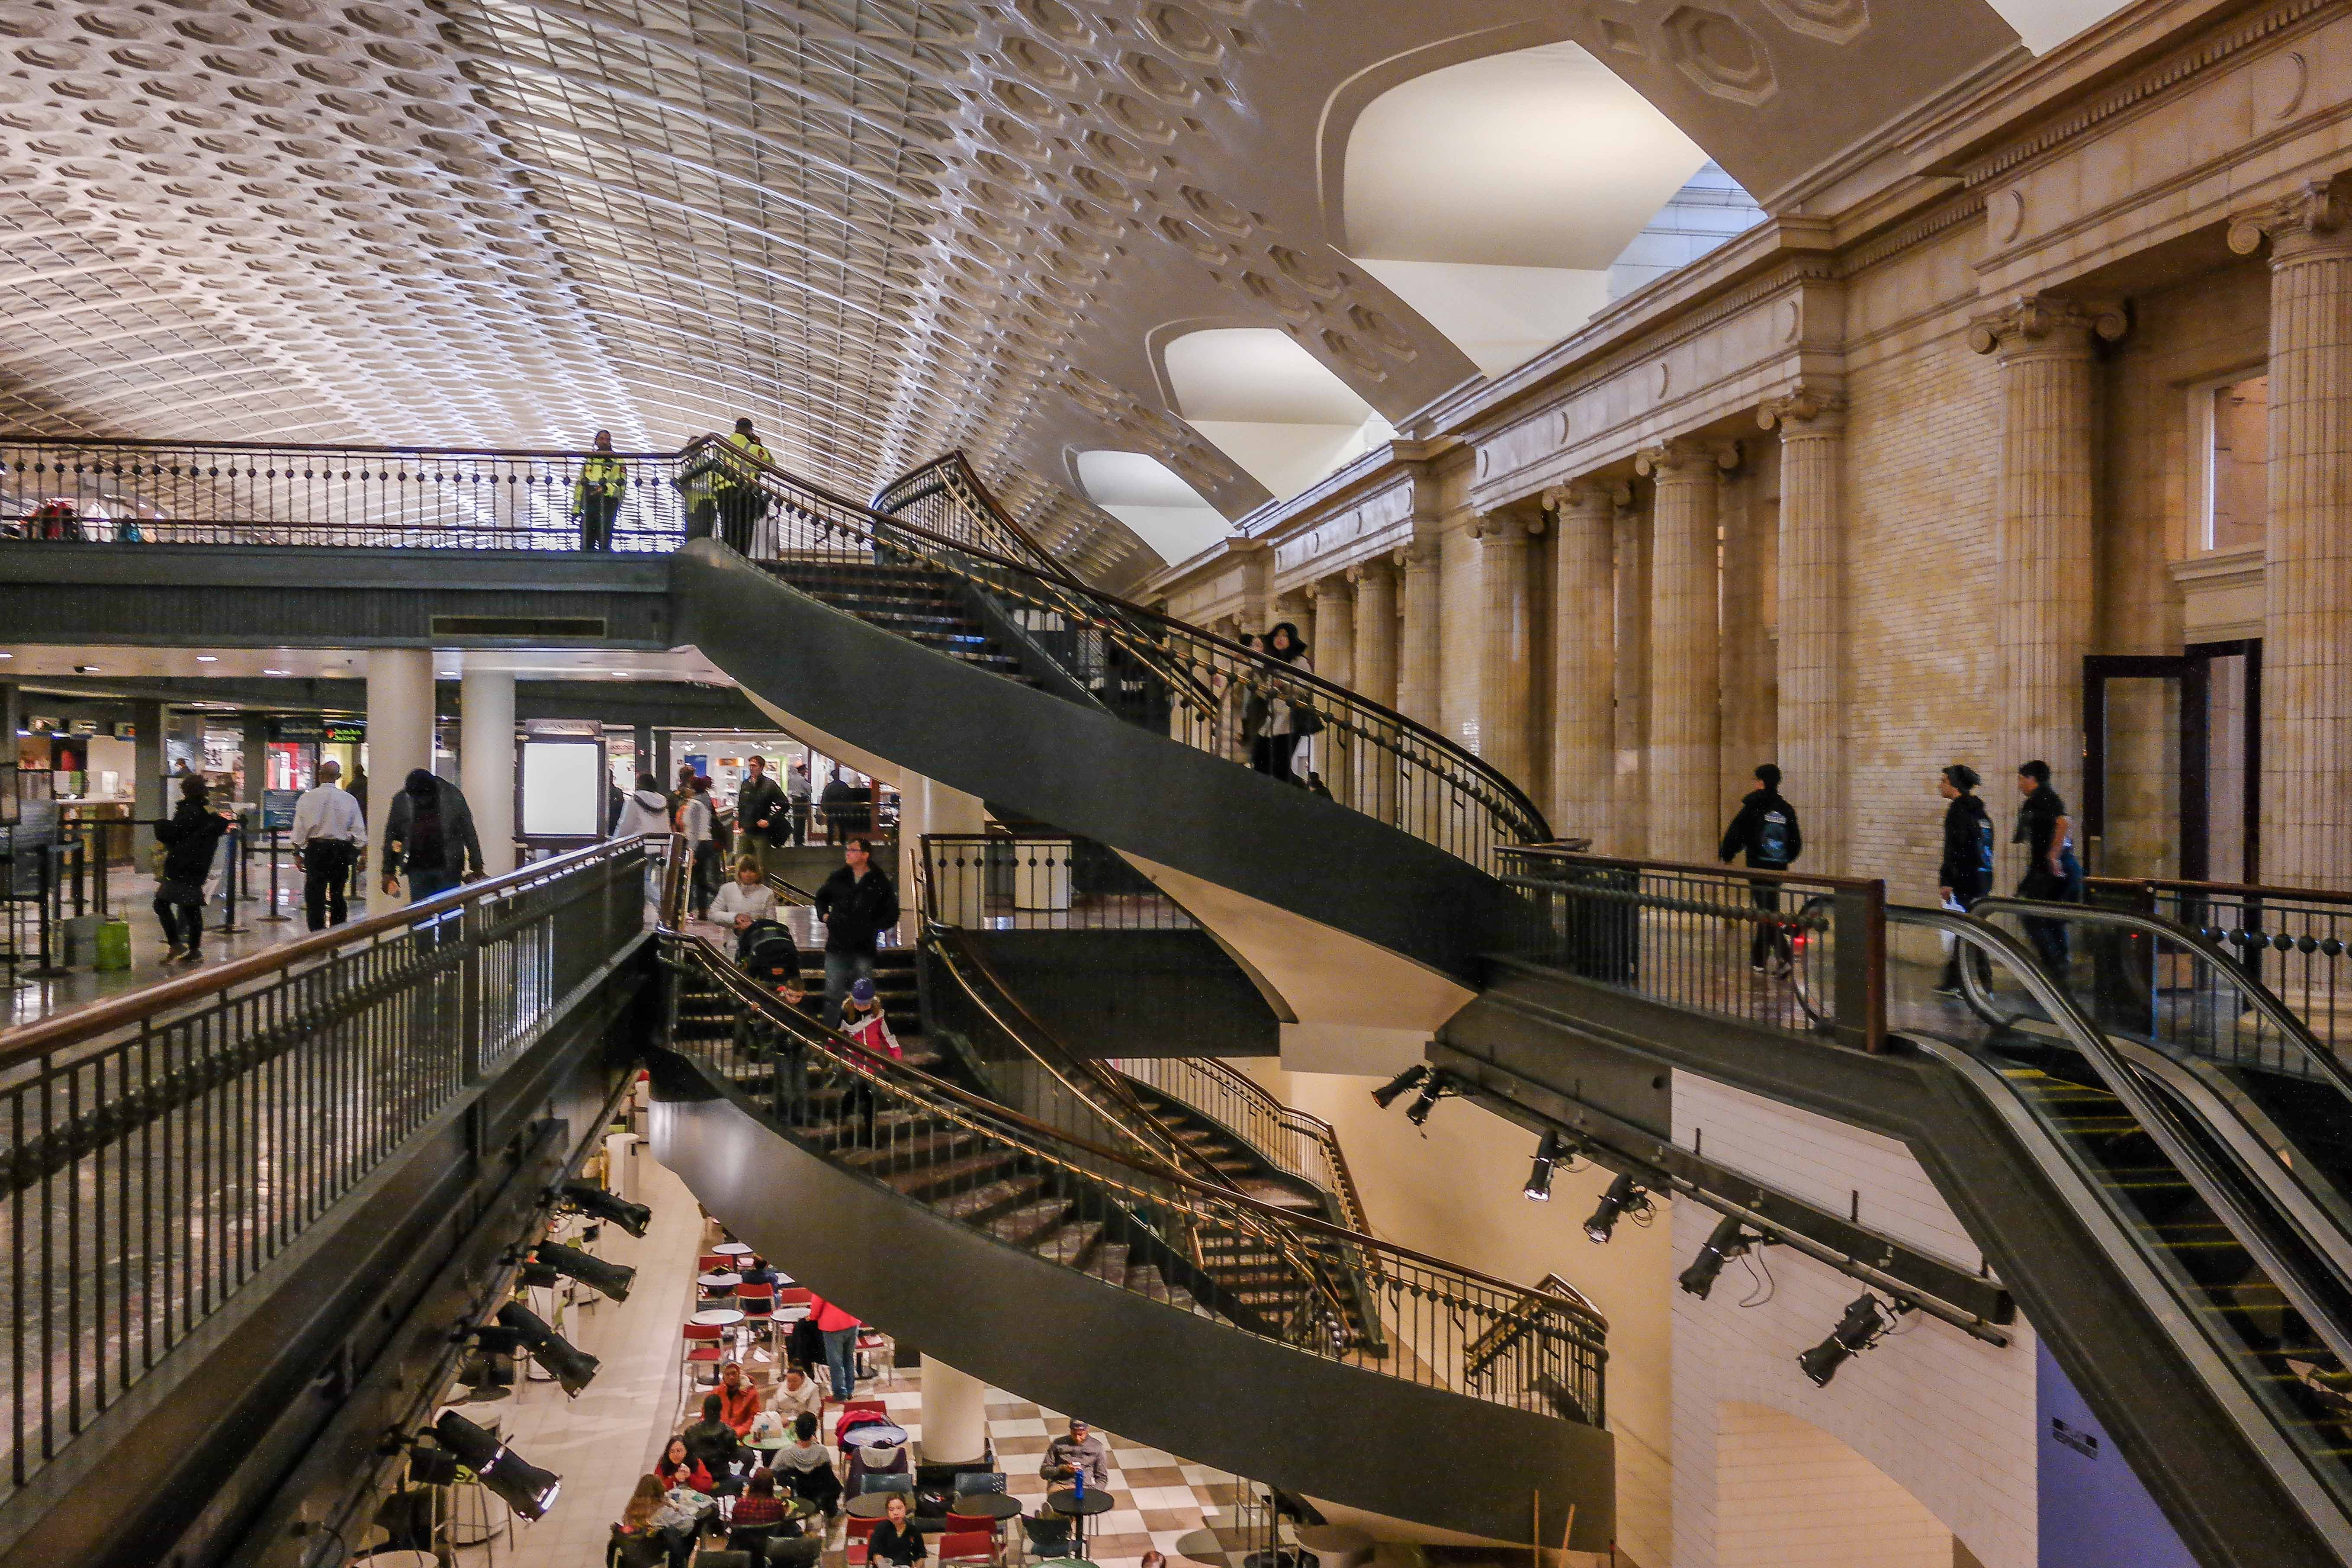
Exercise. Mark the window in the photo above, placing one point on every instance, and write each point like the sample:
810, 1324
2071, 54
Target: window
2230, 422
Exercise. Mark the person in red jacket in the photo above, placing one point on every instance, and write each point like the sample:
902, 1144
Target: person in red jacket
840, 1331
676, 1467
738, 1402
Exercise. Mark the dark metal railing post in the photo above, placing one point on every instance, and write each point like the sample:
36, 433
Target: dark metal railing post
1858, 925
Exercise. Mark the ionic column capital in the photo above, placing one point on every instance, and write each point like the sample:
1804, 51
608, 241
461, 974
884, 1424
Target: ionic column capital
1373, 566
2315, 217
1338, 585
1489, 527
1804, 410
2048, 323
1594, 498
1686, 457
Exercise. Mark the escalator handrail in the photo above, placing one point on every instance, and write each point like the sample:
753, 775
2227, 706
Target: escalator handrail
874, 1064
2223, 1195
2246, 891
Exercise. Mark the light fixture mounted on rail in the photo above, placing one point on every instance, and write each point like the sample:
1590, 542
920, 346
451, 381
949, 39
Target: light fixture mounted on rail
520, 1485
590, 1198
1729, 1239
1411, 1078
606, 1279
1625, 1197
1867, 1321
573, 1368
1549, 1152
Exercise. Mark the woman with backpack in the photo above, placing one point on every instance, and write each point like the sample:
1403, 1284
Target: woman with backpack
1966, 873
188, 838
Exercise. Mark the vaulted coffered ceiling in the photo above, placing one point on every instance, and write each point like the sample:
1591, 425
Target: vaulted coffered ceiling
880, 227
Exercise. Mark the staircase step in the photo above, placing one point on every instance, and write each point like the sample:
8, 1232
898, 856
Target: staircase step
980, 1205
1071, 1244
1029, 1221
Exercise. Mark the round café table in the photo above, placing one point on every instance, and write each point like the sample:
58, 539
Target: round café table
718, 1281
876, 1505
876, 1434
732, 1249
985, 1505
717, 1318
1077, 1510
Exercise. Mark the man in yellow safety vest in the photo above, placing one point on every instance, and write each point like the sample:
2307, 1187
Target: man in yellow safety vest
735, 487
596, 498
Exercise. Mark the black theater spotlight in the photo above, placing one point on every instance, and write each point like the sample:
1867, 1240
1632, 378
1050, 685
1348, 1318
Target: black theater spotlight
1728, 1240
1866, 1318
590, 1198
488, 1371
573, 1367
1625, 1197
1438, 1086
521, 1486
1386, 1095
606, 1279
1549, 1152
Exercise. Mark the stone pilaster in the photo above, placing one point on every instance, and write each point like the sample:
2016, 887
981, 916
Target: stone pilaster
1629, 793
1584, 658
1418, 685
1685, 680
1506, 644
1811, 617
1334, 656
1375, 583
2306, 718
2043, 548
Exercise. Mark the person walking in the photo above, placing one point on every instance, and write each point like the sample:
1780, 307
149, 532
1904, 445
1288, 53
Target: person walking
430, 829
764, 817
596, 497
191, 835
698, 819
1765, 830
644, 810
857, 903
329, 837
735, 488
837, 802
1281, 723
797, 790
1965, 874
839, 1330
2053, 875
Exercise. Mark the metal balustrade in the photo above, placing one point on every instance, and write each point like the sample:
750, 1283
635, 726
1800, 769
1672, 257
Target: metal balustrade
1027, 881
2297, 941
1773, 948
918, 1134
1292, 1140
161, 1149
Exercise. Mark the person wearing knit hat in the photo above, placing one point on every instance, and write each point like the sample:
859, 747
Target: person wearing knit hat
1966, 874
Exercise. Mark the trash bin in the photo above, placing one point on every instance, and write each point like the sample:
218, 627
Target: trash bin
81, 938
113, 945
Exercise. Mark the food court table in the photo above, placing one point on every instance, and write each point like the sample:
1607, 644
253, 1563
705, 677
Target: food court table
717, 1318
1077, 1510
985, 1505
873, 1505
874, 1433
732, 1249
718, 1281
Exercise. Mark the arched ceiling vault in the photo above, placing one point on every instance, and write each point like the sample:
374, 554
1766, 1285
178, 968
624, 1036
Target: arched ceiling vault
880, 227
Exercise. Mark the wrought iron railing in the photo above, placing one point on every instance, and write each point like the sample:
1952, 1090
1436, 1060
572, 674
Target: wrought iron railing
1775, 948
2297, 942
162, 1148
924, 1132
1025, 881
1292, 1140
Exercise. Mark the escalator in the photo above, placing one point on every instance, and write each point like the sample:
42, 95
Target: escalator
1092, 1280
2172, 1242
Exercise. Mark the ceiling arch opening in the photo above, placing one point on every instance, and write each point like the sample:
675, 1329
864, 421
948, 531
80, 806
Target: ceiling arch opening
1152, 501
1281, 415
1508, 198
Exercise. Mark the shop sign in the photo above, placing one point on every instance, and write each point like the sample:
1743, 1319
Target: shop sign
84, 726
124, 730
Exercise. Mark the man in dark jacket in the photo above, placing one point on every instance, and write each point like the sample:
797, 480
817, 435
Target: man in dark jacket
1764, 830
190, 838
1965, 874
762, 815
430, 829
714, 1443
857, 904
2052, 873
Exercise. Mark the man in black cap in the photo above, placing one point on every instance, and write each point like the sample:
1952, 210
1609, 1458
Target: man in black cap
1965, 874
1766, 829
2052, 873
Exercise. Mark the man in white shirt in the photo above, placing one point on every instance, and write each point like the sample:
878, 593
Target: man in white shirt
329, 837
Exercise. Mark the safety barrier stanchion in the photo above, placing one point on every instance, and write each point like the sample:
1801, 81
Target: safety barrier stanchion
276, 916
48, 968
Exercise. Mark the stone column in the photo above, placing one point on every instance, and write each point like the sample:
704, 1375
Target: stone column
399, 738
955, 1415
1418, 677
1376, 680
1811, 422
1686, 680
1506, 644
485, 760
2306, 718
151, 766
1629, 795
2048, 462
641, 745
1334, 658
1584, 658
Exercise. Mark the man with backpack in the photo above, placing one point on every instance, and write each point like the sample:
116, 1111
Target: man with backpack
1966, 873
1765, 829
763, 815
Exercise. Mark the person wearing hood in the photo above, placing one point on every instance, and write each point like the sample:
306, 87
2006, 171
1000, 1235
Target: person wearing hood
429, 830
1965, 874
647, 810
1765, 830
1279, 724
190, 837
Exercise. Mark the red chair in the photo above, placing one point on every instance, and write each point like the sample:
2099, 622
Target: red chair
702, 1348
714, 1263
855, 1544
967, 1545
793, 1295
758, 1305
970, 1524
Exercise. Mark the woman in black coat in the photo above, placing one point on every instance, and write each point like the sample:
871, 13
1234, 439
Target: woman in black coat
1965, 874
1272, 717
190, 837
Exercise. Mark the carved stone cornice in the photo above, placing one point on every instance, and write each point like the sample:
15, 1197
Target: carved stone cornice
2316, 216
1805, 410
1686, 457
2051, 322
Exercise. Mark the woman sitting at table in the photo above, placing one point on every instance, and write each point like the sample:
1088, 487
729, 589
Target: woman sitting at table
895, 1539
796, 1395
653, 1530
738, 1402
676, 1467
758, 1504
807, 1468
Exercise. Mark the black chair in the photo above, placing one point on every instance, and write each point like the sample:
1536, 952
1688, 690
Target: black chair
1048, 1533
723, 1560
750, 1539
795, 1551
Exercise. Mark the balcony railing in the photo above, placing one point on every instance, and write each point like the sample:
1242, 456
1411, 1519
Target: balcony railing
1772, 948
1292, 1140
1023, 881
162, 1149
2297, 942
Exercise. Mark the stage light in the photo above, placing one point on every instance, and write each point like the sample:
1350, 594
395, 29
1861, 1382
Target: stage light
1865, 1320
573, 1367
488, 1374
521, 1486
592, 1199
606, 1279
1386, 1095
1625, 1197
1727, 1241
1438, 1086
1549, 1152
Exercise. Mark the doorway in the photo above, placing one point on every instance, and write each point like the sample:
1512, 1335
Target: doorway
2172, 761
